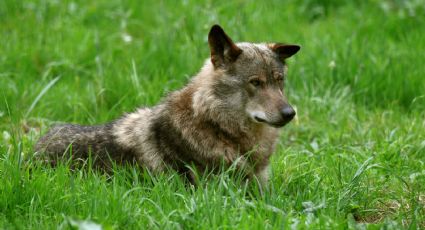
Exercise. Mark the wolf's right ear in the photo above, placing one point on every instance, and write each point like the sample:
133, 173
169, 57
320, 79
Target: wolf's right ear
284, 51
223, 50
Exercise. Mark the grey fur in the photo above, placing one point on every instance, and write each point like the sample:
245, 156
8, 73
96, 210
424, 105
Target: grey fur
218, 117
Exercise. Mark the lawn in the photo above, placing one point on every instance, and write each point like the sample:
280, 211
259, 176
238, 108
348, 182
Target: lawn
353, 158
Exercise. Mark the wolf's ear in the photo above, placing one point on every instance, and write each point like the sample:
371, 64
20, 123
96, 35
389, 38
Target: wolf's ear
223, 50
284, 51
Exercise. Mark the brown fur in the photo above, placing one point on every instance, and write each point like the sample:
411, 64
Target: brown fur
230, 111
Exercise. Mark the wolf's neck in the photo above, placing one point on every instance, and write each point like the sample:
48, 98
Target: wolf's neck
207, 107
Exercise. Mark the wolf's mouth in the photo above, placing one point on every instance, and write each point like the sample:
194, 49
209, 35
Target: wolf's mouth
273, 124
260, 119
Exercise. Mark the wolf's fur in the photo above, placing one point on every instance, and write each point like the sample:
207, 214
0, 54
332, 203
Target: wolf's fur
229, 112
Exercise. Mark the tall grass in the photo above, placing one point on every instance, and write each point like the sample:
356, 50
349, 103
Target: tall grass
353, 158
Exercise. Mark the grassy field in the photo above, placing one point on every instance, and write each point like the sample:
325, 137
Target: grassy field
354, 157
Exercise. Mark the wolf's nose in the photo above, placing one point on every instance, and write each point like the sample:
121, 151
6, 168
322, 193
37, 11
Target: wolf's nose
288, 113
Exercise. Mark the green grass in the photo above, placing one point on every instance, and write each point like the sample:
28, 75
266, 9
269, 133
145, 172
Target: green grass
354, 158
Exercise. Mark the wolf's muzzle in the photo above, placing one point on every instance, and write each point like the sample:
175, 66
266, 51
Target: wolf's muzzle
286, 114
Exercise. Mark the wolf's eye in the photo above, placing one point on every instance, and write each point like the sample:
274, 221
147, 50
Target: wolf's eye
255, 82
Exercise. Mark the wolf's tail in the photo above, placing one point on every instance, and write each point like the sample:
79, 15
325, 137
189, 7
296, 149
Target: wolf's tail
64, 141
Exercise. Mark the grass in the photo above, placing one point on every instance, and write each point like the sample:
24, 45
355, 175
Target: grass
354, 157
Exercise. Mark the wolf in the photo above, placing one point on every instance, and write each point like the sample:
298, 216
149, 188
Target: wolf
228, 114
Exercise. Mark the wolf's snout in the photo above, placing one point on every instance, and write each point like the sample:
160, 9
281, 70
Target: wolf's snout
287, 113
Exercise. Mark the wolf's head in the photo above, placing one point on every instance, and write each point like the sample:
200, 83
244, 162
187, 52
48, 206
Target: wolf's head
246, 79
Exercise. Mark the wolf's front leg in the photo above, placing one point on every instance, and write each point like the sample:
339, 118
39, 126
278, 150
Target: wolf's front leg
262, 176
240, 162
257, 173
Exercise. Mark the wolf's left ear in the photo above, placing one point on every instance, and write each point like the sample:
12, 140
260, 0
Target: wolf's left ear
284, 51
223, 50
